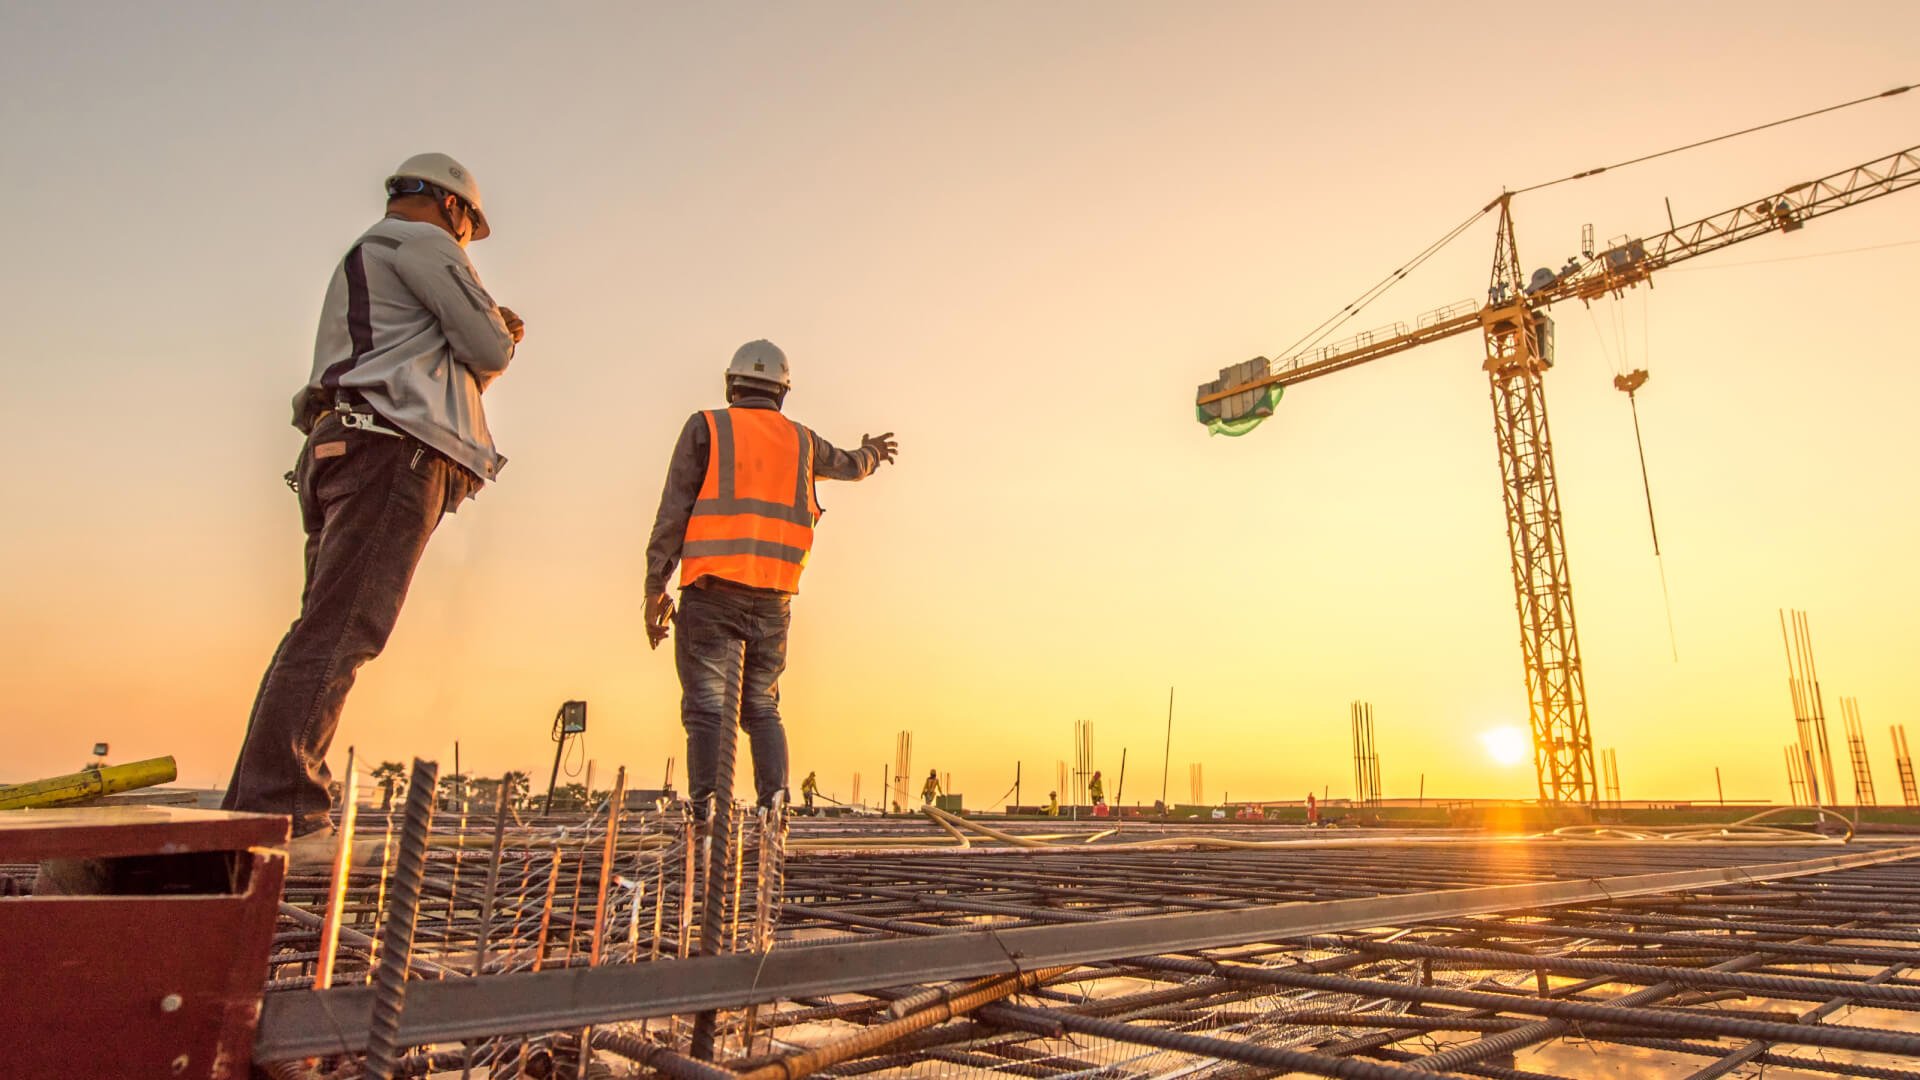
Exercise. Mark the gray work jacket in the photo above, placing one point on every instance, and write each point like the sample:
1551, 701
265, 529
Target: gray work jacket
409, 328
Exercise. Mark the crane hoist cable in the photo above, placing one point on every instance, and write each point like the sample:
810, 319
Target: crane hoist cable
1629, 378
1630, 383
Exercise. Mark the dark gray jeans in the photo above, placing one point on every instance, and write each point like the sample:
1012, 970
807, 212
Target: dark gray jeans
730, 650
368, 502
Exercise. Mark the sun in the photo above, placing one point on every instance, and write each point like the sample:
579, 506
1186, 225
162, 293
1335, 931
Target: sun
1507, 745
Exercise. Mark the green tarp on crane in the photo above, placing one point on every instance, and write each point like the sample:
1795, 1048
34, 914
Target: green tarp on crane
1245, 422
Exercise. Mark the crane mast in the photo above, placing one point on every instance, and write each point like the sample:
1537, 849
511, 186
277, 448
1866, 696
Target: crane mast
1519, 351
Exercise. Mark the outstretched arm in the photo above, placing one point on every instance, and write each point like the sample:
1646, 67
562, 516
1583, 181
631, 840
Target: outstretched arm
833, 463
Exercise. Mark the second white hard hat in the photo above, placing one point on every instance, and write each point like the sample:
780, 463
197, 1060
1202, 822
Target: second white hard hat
449, 175
762, 362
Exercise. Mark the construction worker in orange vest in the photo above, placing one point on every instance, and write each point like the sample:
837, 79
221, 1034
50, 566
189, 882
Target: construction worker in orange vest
738, 515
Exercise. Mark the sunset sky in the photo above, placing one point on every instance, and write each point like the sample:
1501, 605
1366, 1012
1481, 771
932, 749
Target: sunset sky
1017, 235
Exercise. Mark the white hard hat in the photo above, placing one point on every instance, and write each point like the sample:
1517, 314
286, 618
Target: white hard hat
447, 174
761, 362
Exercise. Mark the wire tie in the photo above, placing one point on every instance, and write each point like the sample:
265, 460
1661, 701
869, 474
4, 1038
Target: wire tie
1012, 958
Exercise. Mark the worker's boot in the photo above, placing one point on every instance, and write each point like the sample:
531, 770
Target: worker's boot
312, 853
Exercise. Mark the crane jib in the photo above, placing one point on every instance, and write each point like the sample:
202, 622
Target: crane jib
1620, 266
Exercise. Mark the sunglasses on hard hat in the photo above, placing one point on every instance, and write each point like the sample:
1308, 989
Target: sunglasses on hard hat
412, 186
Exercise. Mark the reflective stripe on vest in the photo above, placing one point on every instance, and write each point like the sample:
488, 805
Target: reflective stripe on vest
752, 522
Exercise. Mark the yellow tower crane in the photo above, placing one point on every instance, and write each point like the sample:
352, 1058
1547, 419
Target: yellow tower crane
1519, 352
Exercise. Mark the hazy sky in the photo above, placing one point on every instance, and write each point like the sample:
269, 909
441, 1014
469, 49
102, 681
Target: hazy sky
1018, 235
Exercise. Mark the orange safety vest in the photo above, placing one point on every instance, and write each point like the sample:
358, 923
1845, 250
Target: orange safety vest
753, 521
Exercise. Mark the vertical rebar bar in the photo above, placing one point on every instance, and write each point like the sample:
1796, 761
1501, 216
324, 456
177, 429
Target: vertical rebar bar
614, 799
487, 903
738, 875
396, 936
337, 884
379, 912
714, 844
546, 909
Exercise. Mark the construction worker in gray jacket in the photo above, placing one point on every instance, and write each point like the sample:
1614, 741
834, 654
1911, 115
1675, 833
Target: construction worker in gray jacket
396, 438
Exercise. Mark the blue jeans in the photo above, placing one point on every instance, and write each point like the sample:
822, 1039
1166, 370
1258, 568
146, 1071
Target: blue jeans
730, 651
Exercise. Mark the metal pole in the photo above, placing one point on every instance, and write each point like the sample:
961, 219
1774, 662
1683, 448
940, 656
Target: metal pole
1121, 785
1167, 754
1717, 787
559, 747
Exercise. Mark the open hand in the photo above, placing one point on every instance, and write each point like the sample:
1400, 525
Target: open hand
883, 443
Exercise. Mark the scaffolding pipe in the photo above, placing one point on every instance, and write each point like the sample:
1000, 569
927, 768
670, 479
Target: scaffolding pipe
87, 784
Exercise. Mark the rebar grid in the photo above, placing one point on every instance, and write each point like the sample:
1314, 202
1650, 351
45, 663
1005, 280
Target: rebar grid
1811, 973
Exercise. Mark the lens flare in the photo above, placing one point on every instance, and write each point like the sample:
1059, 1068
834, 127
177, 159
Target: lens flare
1506, 746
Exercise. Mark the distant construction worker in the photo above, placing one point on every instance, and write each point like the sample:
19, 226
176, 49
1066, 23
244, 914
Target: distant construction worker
808, 789
1053, 804
931, 789
738, 513
396, 438
1096, 790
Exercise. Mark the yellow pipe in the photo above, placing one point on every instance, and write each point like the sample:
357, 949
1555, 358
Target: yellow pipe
87, 784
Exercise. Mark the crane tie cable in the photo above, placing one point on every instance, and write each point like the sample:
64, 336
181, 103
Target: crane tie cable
1379, 289
1366, 298
1582, 175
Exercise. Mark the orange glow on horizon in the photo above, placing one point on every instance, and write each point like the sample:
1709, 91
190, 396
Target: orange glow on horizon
976, 226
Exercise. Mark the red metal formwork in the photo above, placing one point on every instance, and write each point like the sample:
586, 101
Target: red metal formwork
162, 975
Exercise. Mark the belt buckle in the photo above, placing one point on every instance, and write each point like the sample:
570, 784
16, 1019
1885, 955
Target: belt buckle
366, 422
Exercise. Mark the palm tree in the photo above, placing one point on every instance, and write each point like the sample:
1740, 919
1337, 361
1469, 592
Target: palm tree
485, 793
518, 784
393, 781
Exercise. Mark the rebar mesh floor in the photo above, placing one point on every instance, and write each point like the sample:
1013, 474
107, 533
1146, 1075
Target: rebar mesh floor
1807, 976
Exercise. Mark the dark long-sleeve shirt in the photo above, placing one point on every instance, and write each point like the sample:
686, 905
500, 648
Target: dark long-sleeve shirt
688, 470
